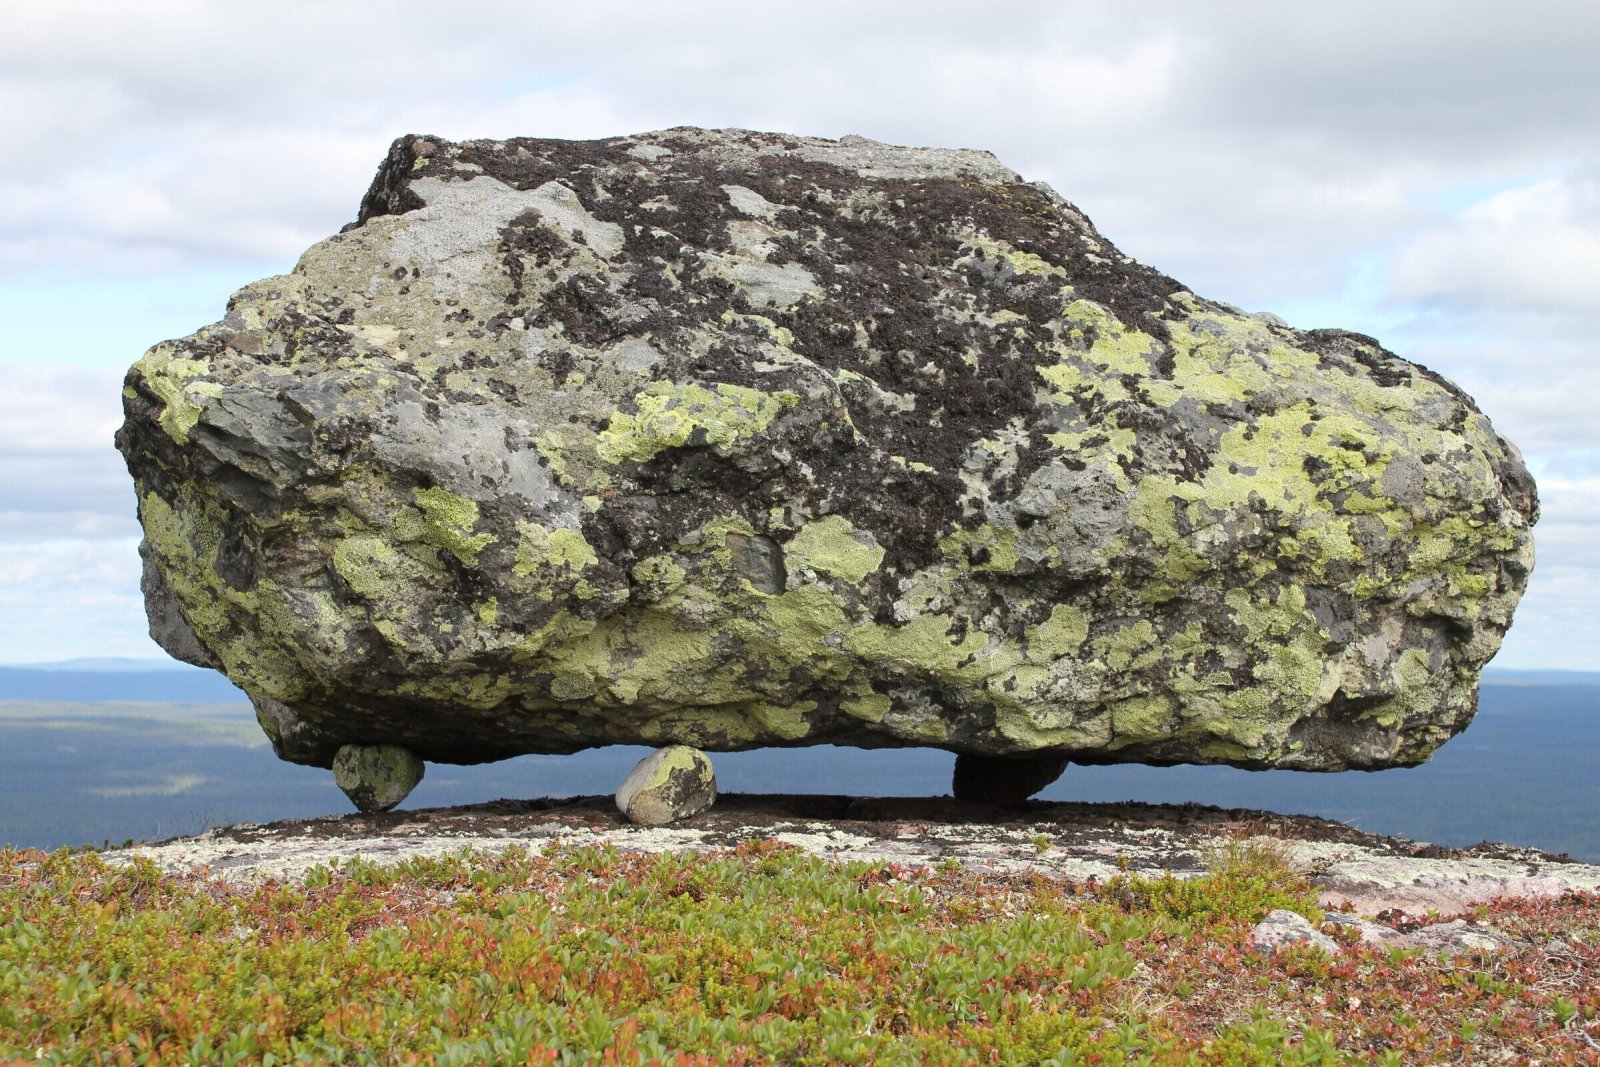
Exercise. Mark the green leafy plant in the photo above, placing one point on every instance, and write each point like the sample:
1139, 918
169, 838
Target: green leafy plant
756, 955
1245, 879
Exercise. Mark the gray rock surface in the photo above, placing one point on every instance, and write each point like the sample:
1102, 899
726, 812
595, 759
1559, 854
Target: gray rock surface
667, 786
998, 780
1454, 938
735, 439
1458, 937
376, 777
1283, 929
1082, 842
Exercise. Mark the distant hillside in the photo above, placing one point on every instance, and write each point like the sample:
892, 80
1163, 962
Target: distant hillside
180, 684
1496, 676
117, 664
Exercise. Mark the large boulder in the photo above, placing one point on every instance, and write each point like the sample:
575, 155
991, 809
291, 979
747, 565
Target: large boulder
733, 439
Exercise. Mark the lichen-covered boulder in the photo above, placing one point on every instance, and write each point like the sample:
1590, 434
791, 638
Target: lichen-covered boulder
734, 439
376, 777
670, 784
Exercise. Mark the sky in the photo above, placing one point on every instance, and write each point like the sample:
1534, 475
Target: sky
1427, 173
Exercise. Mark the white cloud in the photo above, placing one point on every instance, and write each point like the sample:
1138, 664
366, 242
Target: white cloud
1226, 143
1536, 247
1554, 625
64, 599
62, 476
48, 411
1274, 156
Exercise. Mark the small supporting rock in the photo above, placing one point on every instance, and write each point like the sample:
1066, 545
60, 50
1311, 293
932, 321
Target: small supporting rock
1003, 781
669, 784
376, 777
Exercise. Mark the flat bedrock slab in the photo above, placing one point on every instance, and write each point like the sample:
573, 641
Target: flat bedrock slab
1371, 874
1287, 929
736, 439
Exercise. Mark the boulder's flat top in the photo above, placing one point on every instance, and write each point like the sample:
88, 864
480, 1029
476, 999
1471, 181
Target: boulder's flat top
1072, 840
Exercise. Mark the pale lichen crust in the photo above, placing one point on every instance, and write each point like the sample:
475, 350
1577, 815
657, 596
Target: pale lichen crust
731, 439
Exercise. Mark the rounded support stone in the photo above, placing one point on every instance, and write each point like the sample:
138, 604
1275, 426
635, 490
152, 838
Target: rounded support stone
669, 784
1003, 781
376, 777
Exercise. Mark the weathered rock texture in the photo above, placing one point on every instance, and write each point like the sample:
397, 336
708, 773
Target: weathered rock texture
736, 439
376, 777
670, 784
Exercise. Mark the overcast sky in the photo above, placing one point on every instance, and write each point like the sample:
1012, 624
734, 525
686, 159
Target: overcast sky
1428, 173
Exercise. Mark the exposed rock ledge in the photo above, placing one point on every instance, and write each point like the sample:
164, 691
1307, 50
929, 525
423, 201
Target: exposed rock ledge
1072, 840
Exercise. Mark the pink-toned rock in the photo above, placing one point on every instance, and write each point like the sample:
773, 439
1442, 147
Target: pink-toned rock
1287, 929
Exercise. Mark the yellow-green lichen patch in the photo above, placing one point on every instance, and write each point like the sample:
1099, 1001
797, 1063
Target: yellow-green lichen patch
1115, 442
705, 727
1108, 343
184, 540
1021, 262
1314, 474
781, 336
553, 447
172, 379
658, 578
675, 758
800, 626
1064, 377
1442, 546
541, 546
1287, 646
1413, 677
923, 647
479, 690
187, 548
995, 549
1177, 563
376, 570
548, 557
446, 521
1444, 556
673, 416
1268, 460
916, 722
1141, 720
1062, 634
305, 617
711, 541
831, 545
1129, 648
571, 685
1222, 361
562, 630
1053, 724
866, 705
784, 721
651, 657
1018, 686
912, 465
